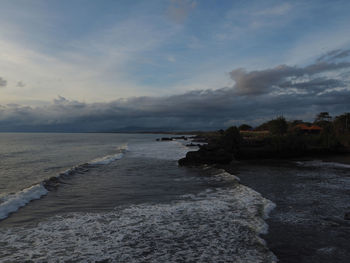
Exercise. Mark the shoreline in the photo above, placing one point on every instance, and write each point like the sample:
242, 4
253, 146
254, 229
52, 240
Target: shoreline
308, 223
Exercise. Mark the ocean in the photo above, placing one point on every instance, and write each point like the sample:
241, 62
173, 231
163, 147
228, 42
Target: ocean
122, 198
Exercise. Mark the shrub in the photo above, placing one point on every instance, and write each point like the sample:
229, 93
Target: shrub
231, 139
245, 127
278, 126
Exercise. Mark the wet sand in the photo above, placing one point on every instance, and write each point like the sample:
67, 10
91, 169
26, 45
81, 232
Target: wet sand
308, 223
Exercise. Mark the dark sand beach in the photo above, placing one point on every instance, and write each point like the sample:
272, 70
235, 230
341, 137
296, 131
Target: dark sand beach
312, 198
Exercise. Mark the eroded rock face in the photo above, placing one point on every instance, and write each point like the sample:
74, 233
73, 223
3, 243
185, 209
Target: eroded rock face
207, 155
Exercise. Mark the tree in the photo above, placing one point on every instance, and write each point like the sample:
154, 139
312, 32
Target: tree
231, 139
245, 127
341, 123
323, 116
278, 126
263, 127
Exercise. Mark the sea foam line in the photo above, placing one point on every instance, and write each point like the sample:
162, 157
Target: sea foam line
319, 163
221, 225
267, 205
12, 202
217, 225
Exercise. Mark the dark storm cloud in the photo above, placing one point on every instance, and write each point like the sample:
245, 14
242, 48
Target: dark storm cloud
259, 82
194, 110
335, 54
3, 82
314, 86
295, 92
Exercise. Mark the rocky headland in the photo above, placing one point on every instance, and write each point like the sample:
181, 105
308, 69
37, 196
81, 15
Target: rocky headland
311, 223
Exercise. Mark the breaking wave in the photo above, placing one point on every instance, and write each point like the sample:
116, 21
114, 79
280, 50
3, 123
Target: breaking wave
10, 203
220, 225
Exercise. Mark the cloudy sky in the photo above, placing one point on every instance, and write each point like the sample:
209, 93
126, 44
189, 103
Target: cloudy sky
85, 65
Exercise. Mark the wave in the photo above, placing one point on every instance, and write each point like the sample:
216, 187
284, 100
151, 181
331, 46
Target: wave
217, 225
12, 202
319, 163
106, 159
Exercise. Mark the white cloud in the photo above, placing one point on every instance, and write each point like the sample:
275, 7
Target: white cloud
97, 69
277, 10
171, 58
317, 43
20, 84
3, 82
179, 9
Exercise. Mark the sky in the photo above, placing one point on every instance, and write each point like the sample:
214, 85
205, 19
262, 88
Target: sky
86, 65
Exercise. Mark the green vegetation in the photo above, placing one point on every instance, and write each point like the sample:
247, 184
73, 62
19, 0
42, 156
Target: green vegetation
277, 138
295, 138
231, 140
245, 127
278, 126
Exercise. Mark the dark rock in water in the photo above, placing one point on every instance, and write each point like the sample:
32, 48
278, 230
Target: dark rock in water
166, 139
347, 216
193, 145
179, 138
207, 155
200, 140
172, 138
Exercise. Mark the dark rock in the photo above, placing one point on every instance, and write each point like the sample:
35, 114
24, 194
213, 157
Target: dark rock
347, 216
193, 145
166, 139
207, 155
180, 138
200, 140
173, 138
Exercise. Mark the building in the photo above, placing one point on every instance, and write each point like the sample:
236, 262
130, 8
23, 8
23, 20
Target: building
313, 129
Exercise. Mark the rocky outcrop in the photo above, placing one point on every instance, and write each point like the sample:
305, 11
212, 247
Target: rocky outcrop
207, 155
347, 216
172, 138
193, 145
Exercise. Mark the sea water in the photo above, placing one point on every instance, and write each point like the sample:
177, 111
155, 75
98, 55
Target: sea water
122, 198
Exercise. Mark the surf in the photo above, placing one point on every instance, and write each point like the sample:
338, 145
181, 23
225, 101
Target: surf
12, 202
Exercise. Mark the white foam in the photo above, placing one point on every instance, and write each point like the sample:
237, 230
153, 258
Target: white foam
164, 150
110, 158
268, 207
214, 226
106, 159
319, 163
12, 202
227, 176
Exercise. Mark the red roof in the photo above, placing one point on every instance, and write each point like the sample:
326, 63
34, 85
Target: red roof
304, 127
315, 127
